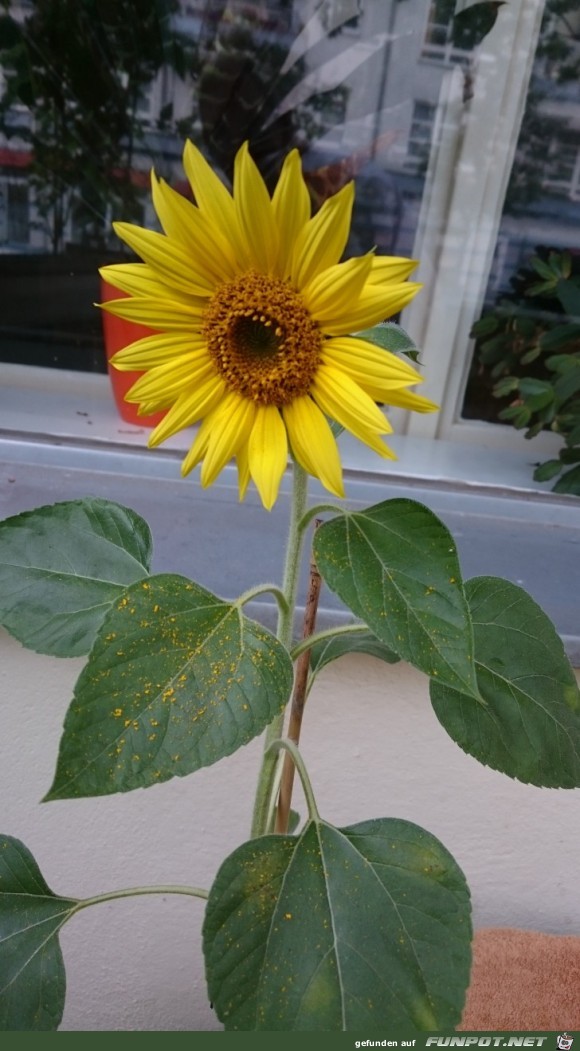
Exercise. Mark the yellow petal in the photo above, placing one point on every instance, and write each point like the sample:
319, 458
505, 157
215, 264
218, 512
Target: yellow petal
145, 409
150, 351
230, 430
330, 290
165, 315
376, 303
344, 401
187, 225
173, 264
291, 207
199, 447
406, 399
376, 444
254, 211
163, 384
188, 409
368, 364
138, 279
213, 199
391, 268
268, 453
313, 443
322, 240
243, 462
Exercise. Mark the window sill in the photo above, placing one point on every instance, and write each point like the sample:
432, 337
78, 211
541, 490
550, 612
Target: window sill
60, 438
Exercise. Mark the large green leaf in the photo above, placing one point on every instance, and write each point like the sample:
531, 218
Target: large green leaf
176, 680
328, 650
62, 566
32, 978
339, 929
396, 567
529, 726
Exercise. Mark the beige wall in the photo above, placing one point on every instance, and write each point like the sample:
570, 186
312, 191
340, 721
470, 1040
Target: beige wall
373, 748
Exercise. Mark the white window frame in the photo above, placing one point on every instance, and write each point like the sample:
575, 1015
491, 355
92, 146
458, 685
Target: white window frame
473, 149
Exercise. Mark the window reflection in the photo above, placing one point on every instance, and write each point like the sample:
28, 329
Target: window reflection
93, 93
541, 214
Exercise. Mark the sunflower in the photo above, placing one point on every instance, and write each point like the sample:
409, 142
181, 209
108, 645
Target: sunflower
253, 316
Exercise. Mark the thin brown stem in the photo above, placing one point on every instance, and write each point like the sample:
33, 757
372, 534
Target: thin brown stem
299, 696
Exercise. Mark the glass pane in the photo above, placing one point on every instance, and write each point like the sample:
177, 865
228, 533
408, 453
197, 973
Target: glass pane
93, 93
536, 264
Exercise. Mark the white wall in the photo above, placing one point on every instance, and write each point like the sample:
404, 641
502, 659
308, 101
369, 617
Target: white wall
372, 750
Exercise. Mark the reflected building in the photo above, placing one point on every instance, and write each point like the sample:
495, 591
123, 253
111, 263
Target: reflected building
381, 91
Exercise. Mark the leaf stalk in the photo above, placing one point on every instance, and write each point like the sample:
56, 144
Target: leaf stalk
134, 892
298, 762
328, 633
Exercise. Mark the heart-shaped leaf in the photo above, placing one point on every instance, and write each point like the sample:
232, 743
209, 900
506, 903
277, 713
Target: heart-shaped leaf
62, 566
32, 977
339, 929
529, 724
395, 566
328, 650
176, 680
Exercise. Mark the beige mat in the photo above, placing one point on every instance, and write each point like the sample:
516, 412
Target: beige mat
523, 980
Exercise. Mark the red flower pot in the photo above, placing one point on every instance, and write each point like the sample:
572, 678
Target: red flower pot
119, 333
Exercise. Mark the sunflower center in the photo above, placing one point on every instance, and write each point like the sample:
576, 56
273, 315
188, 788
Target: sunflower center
262, 339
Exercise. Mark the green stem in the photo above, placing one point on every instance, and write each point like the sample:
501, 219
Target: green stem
267, 776
289, 746
330, 633
133, 892
319, 509
263, 589
293, 553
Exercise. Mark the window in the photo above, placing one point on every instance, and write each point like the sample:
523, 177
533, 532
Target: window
14, 212
540, 212
438, 44
420, 135
441, 139
472, 234
562, 168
